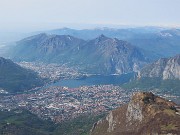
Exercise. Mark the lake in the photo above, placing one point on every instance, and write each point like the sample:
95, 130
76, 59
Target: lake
94, 80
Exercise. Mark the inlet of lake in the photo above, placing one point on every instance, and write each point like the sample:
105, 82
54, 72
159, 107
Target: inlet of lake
94, 80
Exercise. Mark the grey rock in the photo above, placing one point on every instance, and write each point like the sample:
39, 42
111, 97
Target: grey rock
165, 68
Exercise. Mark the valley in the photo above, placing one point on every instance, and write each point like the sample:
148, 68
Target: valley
67, 83
89, 67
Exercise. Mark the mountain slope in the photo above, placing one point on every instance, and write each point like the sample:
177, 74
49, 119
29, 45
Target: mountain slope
145, 114
22, 122
43, 47
165, 68
164, 74
101, 55
112, 55
14, 78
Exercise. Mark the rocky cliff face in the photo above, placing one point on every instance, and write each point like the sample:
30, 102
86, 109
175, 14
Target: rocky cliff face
146, 114
165, 68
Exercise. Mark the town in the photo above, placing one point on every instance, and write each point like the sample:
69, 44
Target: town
62, 103
54, 71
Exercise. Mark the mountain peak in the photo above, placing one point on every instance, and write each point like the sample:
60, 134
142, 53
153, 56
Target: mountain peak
102, 37
1, 58
146, 99
41, 35
142, 96
5, 61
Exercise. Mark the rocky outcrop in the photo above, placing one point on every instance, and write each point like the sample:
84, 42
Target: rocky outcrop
145, 114
134, 112
172, 70
165, 68
111, 122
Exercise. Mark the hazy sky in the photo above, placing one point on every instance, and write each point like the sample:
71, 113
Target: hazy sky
40, 14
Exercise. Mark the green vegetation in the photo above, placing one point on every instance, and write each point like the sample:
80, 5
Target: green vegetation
169, 127
169, 112
78, 126
14, 78
166, 86
22, 122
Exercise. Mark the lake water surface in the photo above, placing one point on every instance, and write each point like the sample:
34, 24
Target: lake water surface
94, 80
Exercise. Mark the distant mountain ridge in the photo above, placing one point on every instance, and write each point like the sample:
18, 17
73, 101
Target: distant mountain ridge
121, 33
164, 42
160, 41
101, 55
14, 78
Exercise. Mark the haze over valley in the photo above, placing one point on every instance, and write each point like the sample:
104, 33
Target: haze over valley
89, 67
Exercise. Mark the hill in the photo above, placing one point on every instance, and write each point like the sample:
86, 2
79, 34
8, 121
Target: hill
14, 78
145, 114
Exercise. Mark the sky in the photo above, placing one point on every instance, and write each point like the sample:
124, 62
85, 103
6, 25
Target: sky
47, 14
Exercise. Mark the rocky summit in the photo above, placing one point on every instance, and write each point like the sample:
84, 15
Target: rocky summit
145, 114
164, 68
